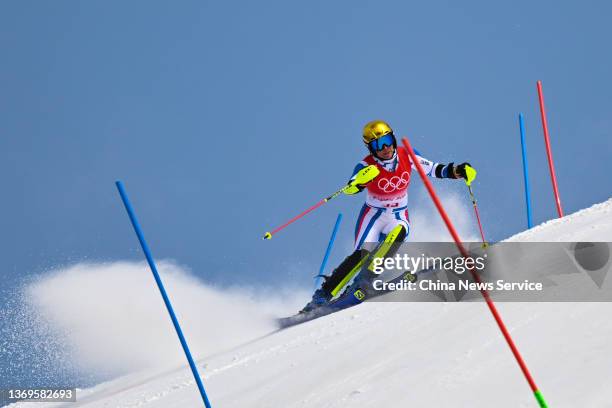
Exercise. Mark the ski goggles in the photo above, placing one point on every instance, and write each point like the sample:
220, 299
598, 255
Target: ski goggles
380, 143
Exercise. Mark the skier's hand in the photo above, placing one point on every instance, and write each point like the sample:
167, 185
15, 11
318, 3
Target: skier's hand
466, 172
360, 180
352, 188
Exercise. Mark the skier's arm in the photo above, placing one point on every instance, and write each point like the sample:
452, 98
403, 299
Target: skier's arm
355, 188
440, 170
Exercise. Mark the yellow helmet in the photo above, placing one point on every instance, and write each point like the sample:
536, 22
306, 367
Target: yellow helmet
375, 129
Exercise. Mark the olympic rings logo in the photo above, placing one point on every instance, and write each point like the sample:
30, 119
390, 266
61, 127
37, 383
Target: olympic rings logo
394, 183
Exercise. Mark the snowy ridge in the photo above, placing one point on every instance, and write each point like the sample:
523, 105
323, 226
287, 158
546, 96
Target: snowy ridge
589, 224
404, 355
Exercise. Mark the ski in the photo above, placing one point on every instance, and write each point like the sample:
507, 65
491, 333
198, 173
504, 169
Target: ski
349, 298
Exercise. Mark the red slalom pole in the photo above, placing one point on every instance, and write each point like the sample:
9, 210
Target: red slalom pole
500, 323
551, 165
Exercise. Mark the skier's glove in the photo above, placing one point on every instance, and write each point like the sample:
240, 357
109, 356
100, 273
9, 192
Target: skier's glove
466, 172
360, 180
352, 188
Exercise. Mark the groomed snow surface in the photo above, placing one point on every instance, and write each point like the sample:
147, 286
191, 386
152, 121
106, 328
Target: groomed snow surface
395, 354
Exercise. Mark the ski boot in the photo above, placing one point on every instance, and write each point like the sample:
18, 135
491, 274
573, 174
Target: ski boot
359, 262
361, 288
332, 283
319, 299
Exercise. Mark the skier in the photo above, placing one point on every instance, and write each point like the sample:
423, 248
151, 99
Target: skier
384, 216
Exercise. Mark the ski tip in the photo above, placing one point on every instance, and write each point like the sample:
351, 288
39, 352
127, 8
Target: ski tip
286, 322
267, 235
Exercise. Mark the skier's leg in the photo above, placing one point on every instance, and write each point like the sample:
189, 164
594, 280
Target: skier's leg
344, 269
396, 227
398, 218
379, 224
369, 225
385, 249
397, 233
365, 268
324, 294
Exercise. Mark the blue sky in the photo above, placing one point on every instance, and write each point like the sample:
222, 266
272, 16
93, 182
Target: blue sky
224, 119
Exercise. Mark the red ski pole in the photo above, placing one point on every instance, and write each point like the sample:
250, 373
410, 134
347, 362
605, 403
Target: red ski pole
363, 177
484, 241
500, 323
268, 235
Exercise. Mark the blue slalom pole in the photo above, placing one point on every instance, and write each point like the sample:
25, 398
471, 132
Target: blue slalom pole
160, 285
328, 250
525, 171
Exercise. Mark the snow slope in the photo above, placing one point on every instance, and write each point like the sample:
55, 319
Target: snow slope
405, 354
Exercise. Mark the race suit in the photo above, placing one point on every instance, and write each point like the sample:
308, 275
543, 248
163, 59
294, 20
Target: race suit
386, 202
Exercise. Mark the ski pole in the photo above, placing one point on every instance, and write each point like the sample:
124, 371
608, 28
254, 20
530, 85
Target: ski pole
268, 235
485, 294
470, 176
484, 241
364, 176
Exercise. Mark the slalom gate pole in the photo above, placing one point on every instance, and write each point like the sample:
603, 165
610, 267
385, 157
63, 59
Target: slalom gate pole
551, 165
484, 241
160, 285
328, 250
525, 170
500, 323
